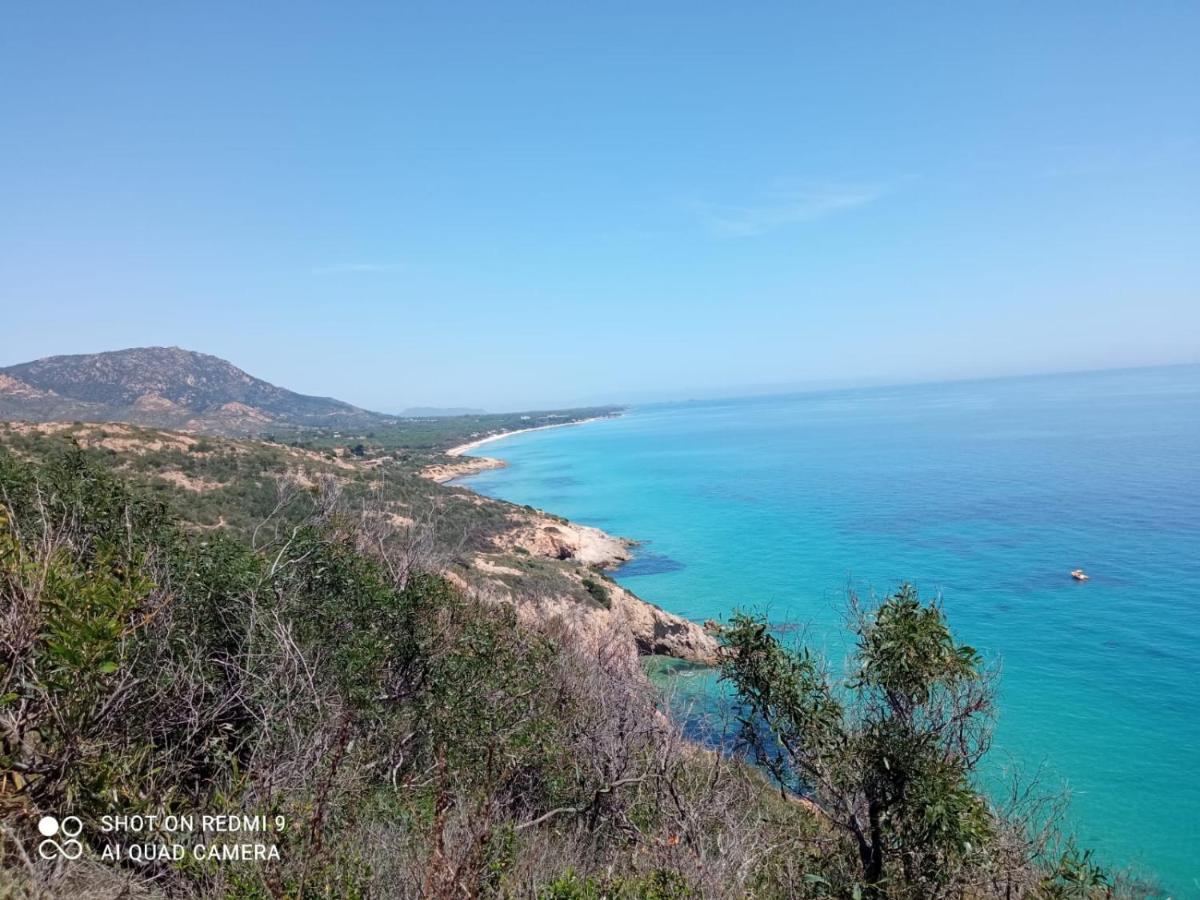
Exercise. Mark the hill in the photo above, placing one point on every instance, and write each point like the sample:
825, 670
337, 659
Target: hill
509, 554
164, 387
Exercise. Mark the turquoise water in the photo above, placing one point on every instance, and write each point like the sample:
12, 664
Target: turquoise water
987, 492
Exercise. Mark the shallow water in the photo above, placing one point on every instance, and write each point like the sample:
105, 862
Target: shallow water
988, 493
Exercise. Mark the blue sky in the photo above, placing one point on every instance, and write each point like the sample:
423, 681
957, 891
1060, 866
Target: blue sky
513, 205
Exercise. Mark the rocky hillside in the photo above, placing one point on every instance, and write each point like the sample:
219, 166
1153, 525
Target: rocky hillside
164, 387
547, 568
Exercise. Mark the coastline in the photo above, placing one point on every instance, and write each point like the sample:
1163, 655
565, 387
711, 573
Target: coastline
570, 540
465, 466
653, 630
444, 473
461, 449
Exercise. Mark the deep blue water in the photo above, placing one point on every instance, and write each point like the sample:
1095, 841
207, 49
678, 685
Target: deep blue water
988, 493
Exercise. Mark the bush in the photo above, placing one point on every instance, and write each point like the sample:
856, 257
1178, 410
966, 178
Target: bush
658, 885
888, 756
598, 591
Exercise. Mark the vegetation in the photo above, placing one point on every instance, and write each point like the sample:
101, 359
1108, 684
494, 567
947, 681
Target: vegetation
889, 759
422, 742
418, 435
598, 591
413, 737
236, 485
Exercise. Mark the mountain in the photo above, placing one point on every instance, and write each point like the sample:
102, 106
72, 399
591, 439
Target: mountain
164, 387
439, 412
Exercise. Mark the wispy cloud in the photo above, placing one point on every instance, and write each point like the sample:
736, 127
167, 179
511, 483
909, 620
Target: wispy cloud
357, 268
786, 205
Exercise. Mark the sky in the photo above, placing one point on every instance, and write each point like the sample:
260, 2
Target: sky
516, 205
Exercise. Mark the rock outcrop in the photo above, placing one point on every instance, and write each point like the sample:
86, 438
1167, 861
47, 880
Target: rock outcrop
461, 467
659, 632
547, 536
651, 630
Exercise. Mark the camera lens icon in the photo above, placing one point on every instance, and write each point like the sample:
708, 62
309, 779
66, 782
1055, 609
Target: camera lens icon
69, 828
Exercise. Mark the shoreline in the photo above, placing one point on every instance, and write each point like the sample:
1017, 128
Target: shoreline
461, 449
654, 631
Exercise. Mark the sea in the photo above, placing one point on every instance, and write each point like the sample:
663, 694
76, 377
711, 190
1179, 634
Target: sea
985, 494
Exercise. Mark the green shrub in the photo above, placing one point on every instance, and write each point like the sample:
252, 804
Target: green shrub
598, 591
661, 884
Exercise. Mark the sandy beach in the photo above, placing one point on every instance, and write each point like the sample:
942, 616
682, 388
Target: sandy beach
471, 445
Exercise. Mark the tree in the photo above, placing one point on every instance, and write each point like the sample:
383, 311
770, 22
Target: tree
887, 755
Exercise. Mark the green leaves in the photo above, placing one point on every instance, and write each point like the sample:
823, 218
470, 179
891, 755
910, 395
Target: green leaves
906, 650
892, 764
660, 884
88, 611
1075, 877
784, 690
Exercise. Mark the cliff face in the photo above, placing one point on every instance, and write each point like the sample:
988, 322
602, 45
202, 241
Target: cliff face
553, 538
659, 632
641, 627
587, 551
